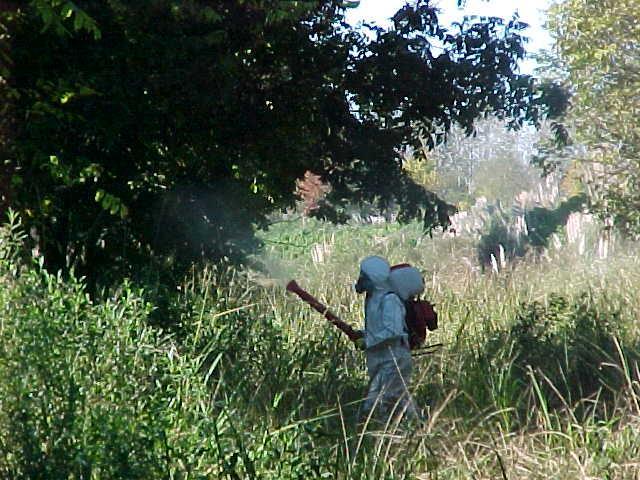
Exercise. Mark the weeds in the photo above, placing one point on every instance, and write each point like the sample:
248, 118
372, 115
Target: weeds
538, 376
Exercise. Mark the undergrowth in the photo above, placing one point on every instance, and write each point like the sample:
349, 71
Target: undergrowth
538, 376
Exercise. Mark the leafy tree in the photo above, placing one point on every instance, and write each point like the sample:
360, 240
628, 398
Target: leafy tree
597, 46
168, 129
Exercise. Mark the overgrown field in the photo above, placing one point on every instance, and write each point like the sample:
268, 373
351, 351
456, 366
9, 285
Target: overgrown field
538, 376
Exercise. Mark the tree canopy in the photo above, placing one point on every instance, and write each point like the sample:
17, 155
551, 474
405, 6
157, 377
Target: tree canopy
168, 129
597, 44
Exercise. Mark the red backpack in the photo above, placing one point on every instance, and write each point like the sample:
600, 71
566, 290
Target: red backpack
421, 317
408, 284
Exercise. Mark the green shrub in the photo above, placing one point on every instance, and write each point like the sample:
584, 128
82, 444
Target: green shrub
568, 349
90, 390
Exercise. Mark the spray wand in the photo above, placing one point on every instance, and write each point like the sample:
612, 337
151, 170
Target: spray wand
293, 287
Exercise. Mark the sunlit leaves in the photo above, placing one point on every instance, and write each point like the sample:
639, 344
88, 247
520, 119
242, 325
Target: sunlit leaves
64, 17
598, 42
111, 203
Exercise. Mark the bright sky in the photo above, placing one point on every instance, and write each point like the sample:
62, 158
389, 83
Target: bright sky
530, 11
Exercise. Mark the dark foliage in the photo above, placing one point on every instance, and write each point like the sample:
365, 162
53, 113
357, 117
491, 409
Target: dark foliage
162, 132
499, 235
543, 222
573, 344
558, 354
551, 154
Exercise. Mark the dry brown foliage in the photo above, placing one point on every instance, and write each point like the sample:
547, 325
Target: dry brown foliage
311, 190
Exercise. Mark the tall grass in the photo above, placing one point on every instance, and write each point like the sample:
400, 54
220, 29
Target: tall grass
538, 376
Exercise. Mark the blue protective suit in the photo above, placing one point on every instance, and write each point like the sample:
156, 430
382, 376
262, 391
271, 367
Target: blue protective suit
387, 343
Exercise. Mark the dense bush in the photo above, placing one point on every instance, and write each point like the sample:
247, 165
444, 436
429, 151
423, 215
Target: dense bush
83, 387
569, 348
90, 390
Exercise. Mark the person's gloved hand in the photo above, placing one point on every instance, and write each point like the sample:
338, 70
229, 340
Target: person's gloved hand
360, 343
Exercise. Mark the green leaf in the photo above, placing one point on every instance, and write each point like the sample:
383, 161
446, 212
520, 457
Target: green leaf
16, 180
211, 15
66, 97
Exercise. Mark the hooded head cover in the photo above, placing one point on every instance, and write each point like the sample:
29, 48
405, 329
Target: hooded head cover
377, 270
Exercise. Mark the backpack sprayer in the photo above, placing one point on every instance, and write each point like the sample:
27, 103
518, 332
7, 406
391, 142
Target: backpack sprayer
408, 283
